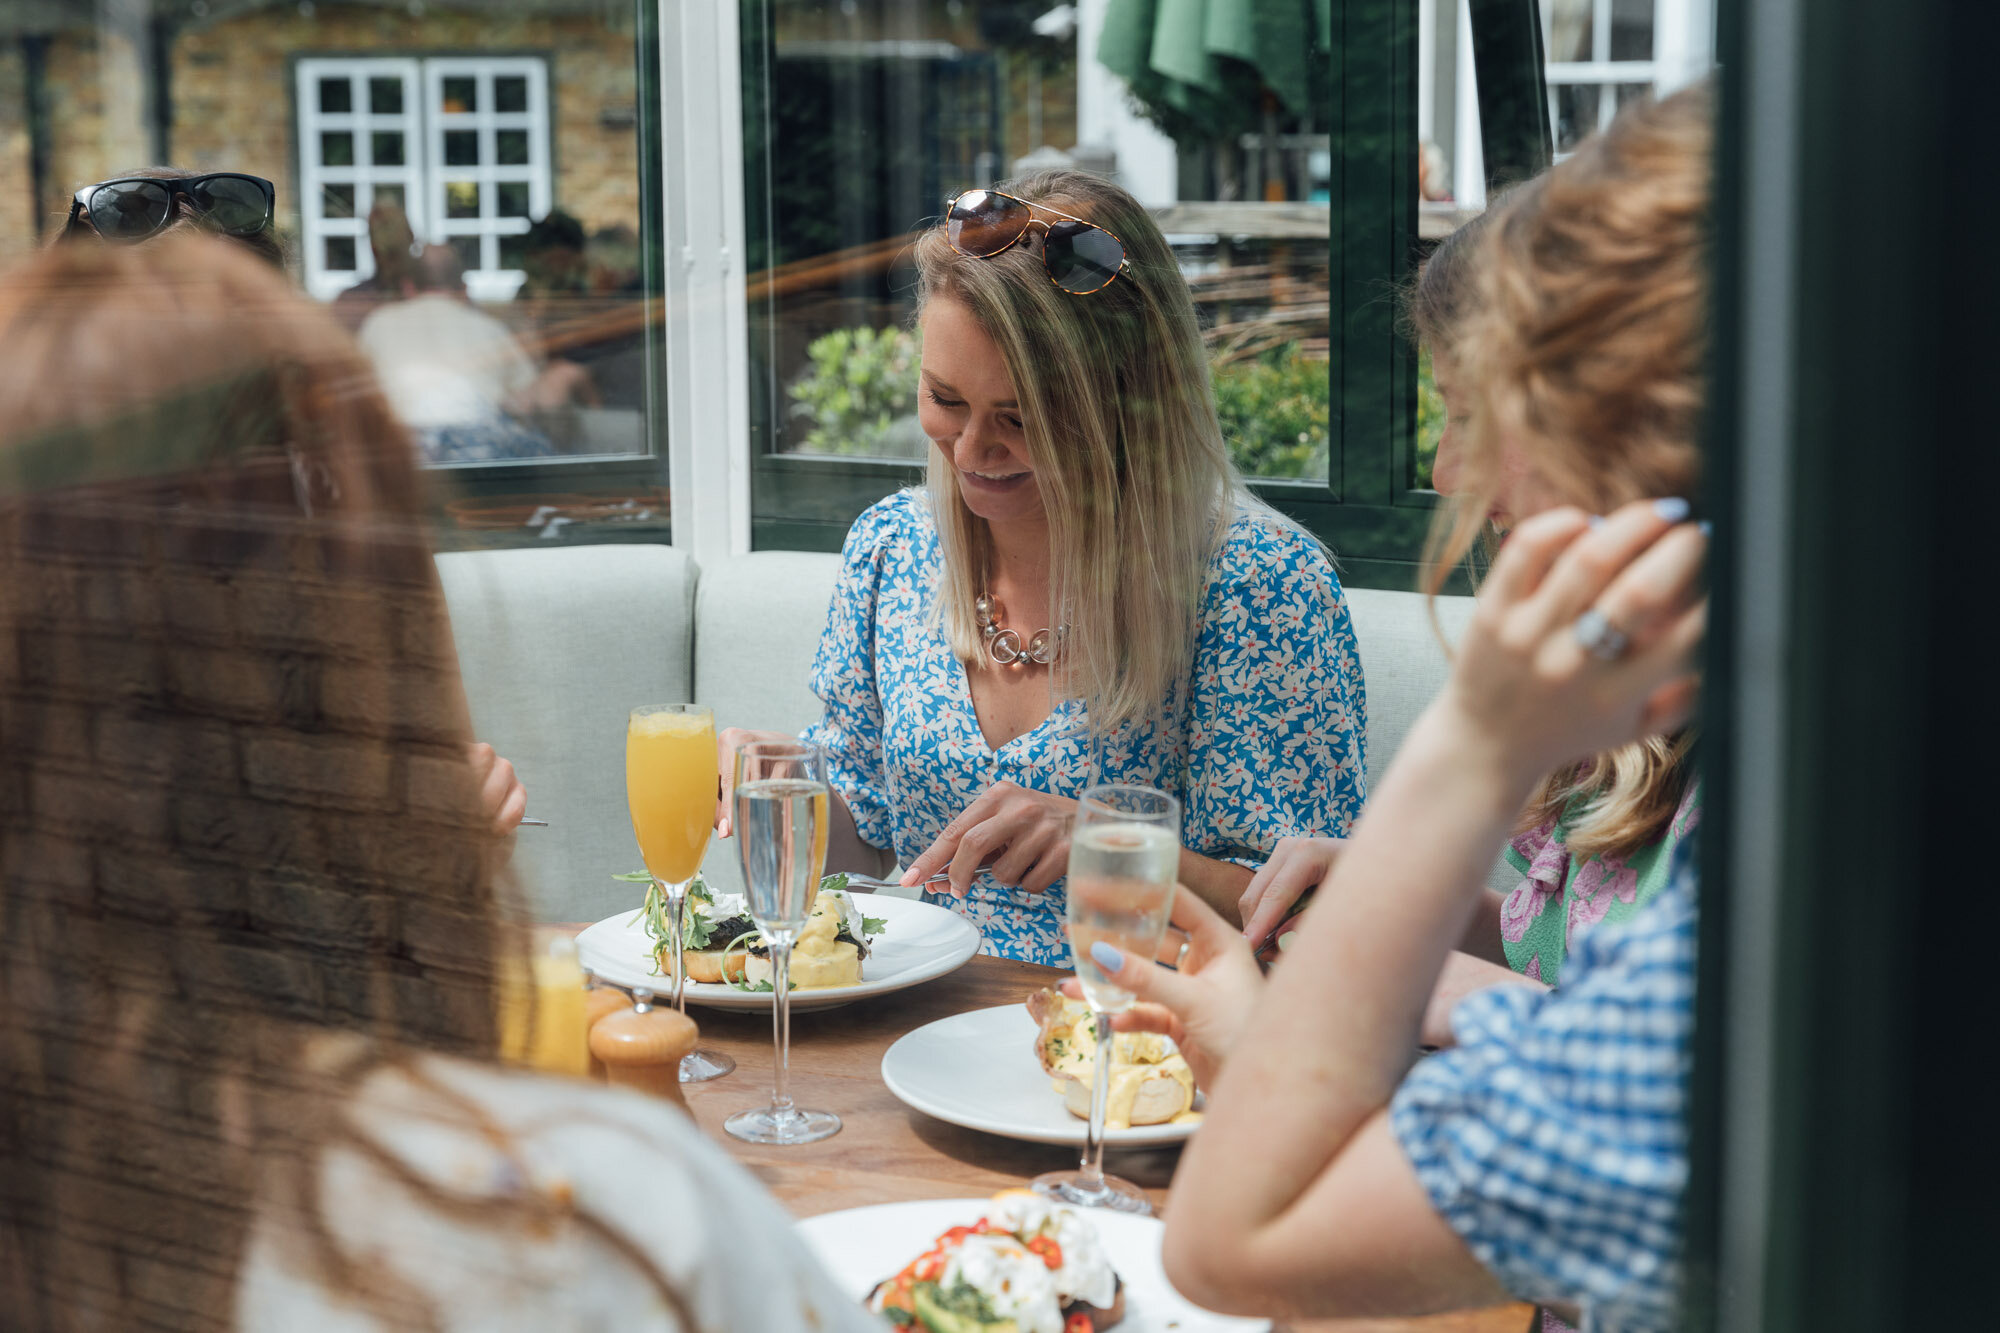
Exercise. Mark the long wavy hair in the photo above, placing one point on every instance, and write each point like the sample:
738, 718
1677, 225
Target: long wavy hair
1580, 341
1120, 424
243, 862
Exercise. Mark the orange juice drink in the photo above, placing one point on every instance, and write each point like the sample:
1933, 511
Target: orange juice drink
544, 1023
670, 783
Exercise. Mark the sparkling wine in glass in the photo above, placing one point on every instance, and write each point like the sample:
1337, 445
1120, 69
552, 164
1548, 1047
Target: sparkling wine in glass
781, 829
670, 785
1124, 861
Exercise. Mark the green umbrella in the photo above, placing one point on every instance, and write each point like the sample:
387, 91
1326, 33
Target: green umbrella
1178, 49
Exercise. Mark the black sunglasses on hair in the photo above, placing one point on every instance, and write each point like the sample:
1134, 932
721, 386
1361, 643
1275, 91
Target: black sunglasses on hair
1080, 257
136, 207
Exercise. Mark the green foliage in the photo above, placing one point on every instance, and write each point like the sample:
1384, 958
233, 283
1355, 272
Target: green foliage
858, 385
1275, 413
1430, 420
859, 393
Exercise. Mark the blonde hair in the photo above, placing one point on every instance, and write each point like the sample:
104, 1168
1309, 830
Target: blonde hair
1583, 345
1120, 424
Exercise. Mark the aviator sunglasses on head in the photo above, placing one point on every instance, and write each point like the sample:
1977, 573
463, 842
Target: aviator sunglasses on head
140, 206
1081, 257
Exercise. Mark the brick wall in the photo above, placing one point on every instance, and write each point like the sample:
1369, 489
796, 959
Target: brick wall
232, 99
233, 92
17, 210
96, 113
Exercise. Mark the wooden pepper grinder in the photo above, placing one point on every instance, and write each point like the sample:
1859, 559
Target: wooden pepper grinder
598, 1002
641, 1047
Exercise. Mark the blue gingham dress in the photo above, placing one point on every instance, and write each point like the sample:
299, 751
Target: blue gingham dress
1553, 1136
1263, 740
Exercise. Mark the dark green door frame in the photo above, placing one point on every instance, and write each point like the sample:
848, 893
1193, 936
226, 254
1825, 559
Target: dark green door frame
1844, 1136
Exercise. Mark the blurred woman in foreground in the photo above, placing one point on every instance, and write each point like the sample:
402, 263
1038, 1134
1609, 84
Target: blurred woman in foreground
249, 938
1544, 1156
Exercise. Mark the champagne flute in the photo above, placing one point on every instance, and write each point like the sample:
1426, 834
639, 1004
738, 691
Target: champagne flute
781, 812
670, 784
1124, 863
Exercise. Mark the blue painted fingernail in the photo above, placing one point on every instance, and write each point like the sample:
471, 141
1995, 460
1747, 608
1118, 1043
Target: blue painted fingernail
1672, 509
1597, 520
1106, 957
1705, 528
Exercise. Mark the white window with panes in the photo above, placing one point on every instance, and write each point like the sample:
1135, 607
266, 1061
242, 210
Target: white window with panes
1602, 54
460, 143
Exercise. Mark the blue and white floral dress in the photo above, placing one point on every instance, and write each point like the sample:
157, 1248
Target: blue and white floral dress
1265, 739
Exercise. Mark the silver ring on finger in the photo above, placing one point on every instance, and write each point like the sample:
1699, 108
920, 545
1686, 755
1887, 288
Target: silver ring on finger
1180, 959
1599, 637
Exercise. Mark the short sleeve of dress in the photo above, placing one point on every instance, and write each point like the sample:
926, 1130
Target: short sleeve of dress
1278, 711
844, 676
1551, 1137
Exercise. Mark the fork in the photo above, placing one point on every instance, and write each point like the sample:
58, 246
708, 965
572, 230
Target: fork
856, 880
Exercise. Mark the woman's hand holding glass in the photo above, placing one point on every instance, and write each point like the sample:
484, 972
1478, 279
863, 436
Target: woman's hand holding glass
1020, 836
1205, 1004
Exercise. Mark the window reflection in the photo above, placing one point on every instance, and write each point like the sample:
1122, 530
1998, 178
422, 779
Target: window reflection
499, 141
877, 112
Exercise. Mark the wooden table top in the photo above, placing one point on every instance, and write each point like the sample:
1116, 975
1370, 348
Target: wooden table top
886, 1152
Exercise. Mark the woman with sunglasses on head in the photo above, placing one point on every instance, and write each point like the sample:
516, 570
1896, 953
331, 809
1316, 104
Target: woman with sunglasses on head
1085, 592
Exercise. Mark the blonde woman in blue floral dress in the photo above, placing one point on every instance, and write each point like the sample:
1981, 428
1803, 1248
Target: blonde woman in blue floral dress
1084, 592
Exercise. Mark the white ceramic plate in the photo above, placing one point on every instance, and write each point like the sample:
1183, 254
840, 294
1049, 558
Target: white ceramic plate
979, 1070
919, 942
861, 1246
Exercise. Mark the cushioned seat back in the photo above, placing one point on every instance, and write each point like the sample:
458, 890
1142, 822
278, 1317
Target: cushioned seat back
757, 624
1402, 659
556, 647
1406, 667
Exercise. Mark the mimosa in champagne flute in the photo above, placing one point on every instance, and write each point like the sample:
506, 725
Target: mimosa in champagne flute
781, 829
670, 783
1124, 861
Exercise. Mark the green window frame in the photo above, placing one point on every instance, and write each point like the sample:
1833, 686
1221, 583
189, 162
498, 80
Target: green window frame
1367, 508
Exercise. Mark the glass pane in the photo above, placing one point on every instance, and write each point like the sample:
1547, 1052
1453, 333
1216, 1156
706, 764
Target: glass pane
1632, 29
336, 96
340, 253
510, 147
387, 146
514, 251
1568, 29
1431, 421
1575, 113
460, 95
461, 199
510, 199
336, 148
1633, 92
510, 93
461, 148
391, 195
385, 96
835, 359
467, 249
336, 201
